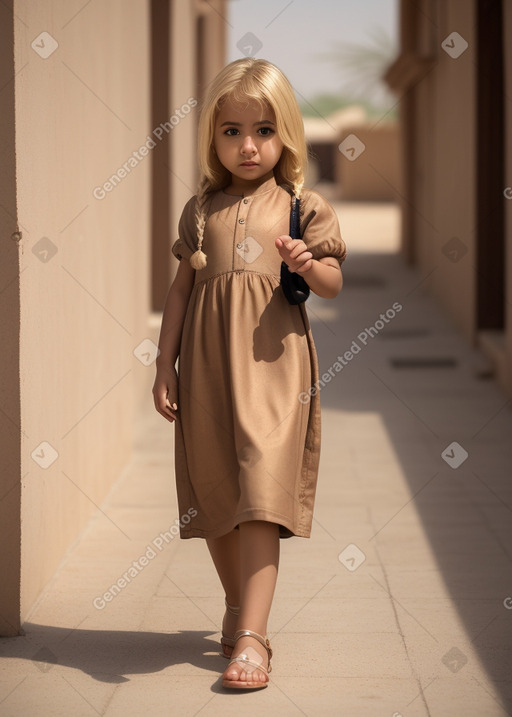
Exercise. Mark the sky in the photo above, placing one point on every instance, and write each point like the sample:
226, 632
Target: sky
294, 34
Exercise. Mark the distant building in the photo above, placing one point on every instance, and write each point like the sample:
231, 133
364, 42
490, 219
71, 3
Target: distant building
360, 155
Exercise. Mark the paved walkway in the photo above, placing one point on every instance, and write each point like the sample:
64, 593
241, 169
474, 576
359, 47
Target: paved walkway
399, 604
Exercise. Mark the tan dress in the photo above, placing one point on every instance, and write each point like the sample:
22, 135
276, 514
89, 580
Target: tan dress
247, 441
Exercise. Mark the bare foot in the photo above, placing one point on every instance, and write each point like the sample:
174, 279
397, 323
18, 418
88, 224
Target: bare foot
253, 651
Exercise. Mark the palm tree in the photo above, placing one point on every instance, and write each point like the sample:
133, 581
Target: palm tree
364, 64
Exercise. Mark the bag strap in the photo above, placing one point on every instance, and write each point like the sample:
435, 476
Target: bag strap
295, 219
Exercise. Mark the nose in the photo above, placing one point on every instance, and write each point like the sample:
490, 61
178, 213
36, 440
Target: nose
248, 147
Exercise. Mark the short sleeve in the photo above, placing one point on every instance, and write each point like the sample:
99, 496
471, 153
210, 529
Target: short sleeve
185, 245
320, 228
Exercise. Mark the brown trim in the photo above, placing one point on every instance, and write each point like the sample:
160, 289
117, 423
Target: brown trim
490, 265
12, 246
160, 154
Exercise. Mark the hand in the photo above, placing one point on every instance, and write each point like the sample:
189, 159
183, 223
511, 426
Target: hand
165, 393
294, 253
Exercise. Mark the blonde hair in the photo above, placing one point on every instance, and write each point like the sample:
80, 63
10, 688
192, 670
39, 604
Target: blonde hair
243, 81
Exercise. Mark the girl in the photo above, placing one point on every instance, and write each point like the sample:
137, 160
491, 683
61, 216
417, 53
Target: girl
247, 444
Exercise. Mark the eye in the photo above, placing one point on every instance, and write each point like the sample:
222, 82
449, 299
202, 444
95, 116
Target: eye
267, 131
231, 129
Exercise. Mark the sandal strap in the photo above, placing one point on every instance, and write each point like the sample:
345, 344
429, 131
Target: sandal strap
244, 660
233, 609
262, 640
227, 641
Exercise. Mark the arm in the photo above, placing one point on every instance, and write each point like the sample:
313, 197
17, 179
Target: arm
165, 388
323, 276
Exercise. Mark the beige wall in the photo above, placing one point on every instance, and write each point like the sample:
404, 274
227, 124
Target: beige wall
445, 165
438, 105
75, 293
80, 114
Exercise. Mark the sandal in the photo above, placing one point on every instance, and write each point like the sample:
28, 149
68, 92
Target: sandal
244, 659
228, 643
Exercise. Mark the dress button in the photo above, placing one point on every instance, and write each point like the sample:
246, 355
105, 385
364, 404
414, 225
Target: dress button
246, 201
239, 246
241, 221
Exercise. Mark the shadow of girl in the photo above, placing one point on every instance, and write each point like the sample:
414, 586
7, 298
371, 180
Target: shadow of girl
109, 655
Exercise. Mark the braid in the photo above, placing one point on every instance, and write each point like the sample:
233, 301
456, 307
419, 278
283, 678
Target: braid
198, 258
297, 193
297, 189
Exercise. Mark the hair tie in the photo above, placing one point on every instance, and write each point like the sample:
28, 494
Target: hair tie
198, 260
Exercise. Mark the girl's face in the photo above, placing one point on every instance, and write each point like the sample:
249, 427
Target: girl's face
246, 142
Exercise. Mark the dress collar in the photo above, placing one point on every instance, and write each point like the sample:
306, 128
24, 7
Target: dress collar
263, 188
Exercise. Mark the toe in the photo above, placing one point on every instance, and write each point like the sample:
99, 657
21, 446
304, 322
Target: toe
232, 673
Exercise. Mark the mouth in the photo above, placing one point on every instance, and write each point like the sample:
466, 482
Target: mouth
249, 164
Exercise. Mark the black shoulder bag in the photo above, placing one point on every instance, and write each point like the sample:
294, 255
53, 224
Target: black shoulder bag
295, 287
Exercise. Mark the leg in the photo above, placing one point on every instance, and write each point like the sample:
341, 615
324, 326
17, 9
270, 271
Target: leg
259, 561
225, 552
